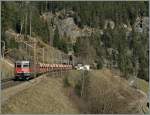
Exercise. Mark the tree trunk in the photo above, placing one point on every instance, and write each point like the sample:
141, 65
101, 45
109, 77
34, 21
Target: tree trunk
30, 23
26, 25
21, 27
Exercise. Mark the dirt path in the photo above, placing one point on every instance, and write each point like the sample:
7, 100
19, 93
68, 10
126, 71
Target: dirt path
78, 101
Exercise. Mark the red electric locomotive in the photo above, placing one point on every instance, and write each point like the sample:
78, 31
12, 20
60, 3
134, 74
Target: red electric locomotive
23, 70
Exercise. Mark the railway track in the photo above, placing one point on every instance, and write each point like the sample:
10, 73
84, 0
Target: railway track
9, 83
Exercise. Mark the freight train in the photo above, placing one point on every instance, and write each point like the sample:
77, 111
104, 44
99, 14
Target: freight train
26, 69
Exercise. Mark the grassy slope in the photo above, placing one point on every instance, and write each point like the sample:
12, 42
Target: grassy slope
45, 98
118, 96
111, 92
50, 54
143, 85
104, 89
7, 70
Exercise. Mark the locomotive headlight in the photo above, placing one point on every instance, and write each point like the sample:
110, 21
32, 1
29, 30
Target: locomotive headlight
27, 74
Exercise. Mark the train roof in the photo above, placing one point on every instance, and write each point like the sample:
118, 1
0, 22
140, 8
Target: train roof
23, 61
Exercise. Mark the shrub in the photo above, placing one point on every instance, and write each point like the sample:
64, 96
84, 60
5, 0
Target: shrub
78, 88
66, 82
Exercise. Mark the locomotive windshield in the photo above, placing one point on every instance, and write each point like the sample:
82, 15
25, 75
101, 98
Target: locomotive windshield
22, 64
18, 65
26, 65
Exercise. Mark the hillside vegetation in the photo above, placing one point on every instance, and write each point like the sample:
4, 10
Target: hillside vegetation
106, 93
97, 91
7, 69
20, 50
110, 34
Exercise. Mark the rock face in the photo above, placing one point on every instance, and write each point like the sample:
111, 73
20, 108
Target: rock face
66, 25
109, 23
142, 24
68, 28
65, 22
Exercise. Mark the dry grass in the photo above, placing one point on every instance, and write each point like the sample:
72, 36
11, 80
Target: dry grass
105, 93
143, 85
112, 94
51, 55
7, 70
45, 98
74, 77
109, 93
